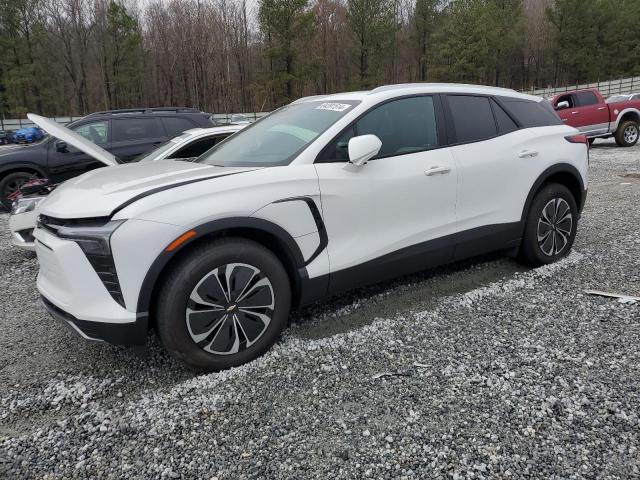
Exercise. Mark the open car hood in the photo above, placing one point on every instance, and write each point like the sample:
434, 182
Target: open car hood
72, 138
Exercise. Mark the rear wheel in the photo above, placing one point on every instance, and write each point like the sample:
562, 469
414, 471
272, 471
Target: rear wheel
10, 184
551, 225
223, 304
627, 134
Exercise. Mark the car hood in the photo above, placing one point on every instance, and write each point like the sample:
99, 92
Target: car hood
101, 192
72, 138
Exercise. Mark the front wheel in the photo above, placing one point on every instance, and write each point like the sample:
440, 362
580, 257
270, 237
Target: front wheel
9, 186
223, 304
627, 134
551, 225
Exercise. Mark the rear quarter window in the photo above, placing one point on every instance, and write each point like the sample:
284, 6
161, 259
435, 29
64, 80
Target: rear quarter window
531, 114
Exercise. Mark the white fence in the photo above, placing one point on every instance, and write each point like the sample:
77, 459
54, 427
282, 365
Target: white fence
608, 88
16, 123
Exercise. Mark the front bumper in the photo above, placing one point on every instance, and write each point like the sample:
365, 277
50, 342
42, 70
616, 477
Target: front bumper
22, 226
73, 292
117, 334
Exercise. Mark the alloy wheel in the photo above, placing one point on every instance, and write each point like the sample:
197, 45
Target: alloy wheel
631, 134
230, 308
10, 188
554, 227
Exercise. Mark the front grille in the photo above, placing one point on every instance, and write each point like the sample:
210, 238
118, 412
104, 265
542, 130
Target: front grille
51, 224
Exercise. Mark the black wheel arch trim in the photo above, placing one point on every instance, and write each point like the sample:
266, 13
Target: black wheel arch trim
20, 166
157, 267
544, 176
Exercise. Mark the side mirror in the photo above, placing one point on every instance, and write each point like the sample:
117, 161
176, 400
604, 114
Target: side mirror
363, 148
61, 146
562, 105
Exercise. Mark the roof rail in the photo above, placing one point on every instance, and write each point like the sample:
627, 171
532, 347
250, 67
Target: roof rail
398, 86
148, 110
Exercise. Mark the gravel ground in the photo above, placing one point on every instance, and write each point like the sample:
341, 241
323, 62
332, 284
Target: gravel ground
478, 370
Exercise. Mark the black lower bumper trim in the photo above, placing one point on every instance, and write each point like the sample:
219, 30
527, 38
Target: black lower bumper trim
134, 333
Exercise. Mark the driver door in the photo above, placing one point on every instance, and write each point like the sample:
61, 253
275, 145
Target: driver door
392, 215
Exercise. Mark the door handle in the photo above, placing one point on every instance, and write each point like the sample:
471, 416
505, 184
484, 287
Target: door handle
574, 113
527, 154
602, 108
436, 170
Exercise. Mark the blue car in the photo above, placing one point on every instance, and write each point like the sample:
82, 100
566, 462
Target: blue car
27, 135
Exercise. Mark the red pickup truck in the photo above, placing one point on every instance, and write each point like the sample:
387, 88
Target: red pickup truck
587, 111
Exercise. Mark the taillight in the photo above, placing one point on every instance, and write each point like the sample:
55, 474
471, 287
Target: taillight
577, 139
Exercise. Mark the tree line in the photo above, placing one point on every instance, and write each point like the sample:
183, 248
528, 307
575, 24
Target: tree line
63, 57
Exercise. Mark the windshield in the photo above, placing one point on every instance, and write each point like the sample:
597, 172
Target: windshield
279, 137
160, 149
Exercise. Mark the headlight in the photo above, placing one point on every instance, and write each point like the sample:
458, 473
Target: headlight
25, 205
93, 239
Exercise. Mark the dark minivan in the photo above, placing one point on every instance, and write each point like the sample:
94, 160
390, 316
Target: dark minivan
127, 134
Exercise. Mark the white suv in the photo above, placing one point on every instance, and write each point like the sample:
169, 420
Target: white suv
323, 195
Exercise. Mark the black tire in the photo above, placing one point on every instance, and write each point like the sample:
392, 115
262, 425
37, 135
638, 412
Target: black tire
9, 183
196, 269
534, 250
627, 134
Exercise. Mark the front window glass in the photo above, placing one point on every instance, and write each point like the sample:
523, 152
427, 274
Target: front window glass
279, 137
403, 126
587, 98
96, 132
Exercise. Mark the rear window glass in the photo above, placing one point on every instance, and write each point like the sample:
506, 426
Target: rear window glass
531, 114
472, 118
134, 129
176, 125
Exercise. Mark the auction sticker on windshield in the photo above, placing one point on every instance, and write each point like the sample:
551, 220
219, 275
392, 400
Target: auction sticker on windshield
335, 107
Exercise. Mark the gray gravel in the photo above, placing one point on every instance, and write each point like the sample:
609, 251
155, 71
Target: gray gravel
479, 370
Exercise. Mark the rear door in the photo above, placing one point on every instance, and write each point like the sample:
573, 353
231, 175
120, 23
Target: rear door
66, 161
134, 136
488, 148
389, 216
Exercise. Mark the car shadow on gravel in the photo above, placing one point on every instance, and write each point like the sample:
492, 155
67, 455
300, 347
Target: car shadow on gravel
355, 309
